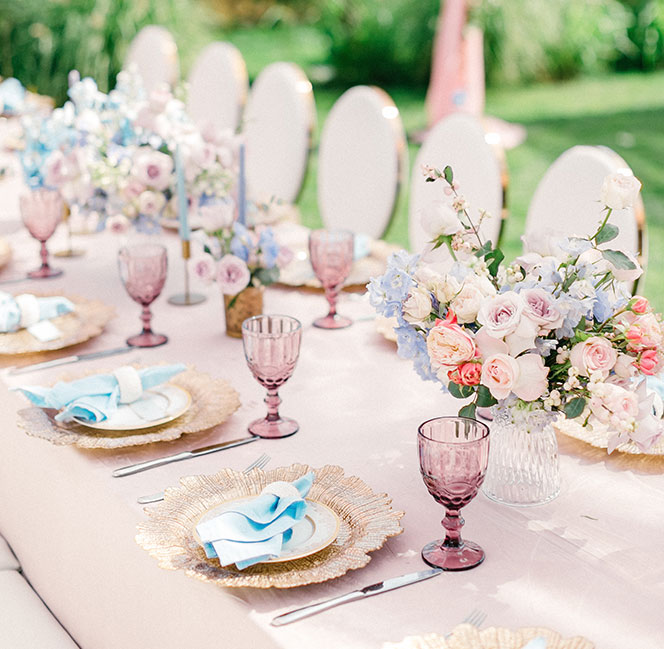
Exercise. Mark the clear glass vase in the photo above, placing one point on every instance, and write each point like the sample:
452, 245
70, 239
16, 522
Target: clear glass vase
523, 457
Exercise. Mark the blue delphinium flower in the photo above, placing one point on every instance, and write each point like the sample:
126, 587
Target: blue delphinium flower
269, 248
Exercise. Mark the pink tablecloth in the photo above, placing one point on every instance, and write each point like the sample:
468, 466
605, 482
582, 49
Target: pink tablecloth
590, 563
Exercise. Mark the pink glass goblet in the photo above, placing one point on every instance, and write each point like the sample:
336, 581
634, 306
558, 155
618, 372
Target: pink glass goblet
41, 211
454, 452
271, 347
331, 254
143, 272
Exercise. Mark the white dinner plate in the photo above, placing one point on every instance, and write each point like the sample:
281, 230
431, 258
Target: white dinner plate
173, 400
318, 529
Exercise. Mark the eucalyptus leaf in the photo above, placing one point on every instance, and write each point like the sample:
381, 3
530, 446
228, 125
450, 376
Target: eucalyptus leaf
449, 174
619, 259
575, 407
608, 233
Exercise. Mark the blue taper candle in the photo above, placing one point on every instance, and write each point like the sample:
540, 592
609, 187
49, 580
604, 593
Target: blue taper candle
242, 190
183, 203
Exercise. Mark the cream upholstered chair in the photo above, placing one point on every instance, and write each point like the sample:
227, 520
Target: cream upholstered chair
459, 141
566, 201
25, 621
361, 162
278, 130
218, 87
155, 55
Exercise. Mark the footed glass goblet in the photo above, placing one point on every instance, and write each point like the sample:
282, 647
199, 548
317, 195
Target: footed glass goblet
331, 254
41, 211
271, 347
454, 452
143, 271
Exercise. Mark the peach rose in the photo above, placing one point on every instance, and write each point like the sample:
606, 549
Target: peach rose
595, 354
499, 374
449, 345
524, 376
467, 374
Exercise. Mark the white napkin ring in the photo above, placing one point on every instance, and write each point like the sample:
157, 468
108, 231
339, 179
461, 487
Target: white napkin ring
129, 382
282, 489
29, 308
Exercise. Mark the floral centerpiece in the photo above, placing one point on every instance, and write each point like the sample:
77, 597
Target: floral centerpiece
558, 334
241, 259
117, 150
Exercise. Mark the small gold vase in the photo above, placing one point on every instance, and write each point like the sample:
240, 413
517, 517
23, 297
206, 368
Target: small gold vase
238, 308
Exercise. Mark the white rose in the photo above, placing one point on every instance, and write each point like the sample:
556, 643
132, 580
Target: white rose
467, 303
444, 287
417, 305
620, 190
439, 218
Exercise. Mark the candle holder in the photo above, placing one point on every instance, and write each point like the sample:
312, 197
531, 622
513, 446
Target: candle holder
187, 298
69, 251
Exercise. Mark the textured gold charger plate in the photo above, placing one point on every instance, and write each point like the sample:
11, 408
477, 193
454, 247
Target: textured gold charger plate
86, 321
466, 636
367, 520
212, 402
599, 438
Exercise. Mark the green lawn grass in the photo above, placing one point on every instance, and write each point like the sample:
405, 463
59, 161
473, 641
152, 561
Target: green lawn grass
624, 112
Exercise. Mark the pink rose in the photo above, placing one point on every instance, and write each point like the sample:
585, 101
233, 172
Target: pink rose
232, 274
625, 366
649, 362
501, 315
204, 267
467, 374
133, 189
449, 345
117, 224
152, 168
639, 305
595, 354
540, 307
525, 376
499, 374
645, 331
284, 257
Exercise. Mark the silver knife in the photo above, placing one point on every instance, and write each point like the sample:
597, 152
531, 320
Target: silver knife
185, 455
65, 360
368, 591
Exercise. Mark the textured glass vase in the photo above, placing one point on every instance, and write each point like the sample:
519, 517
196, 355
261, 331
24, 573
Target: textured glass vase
523, 459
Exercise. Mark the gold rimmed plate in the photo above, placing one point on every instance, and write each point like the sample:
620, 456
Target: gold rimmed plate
316, 531
366, 521
171, 400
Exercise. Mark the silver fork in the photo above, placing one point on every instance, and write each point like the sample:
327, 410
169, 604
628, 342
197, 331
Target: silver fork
475, 617
258, 463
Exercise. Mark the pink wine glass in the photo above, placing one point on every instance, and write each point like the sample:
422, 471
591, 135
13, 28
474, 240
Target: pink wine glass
331, 254
454, 452
271, 347
41, 211
143, 272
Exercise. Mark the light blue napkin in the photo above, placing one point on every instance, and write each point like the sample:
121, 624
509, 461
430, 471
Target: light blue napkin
95, 398
49, 307
536, 643
12, 96
255, 530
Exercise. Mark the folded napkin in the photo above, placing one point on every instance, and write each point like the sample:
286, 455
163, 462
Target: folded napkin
255, 530
95, 398
26, 310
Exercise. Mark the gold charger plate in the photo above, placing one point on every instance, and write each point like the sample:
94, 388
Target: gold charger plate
212, 402
86, 321
466, 636
599, 438
367, 521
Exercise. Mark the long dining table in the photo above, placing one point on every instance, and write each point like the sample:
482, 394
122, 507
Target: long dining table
590, 563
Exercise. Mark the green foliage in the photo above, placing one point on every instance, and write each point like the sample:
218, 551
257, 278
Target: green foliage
386, 42
461, 391
618, 259
468, 411
41, 41
608, 233
575, 407
484, 397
